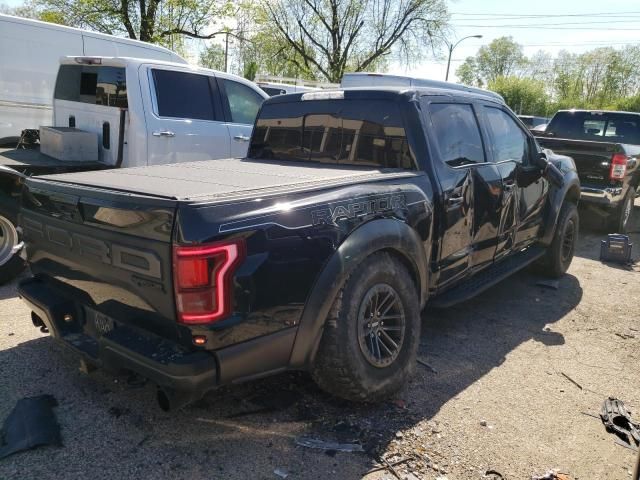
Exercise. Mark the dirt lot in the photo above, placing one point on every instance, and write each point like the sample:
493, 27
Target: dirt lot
498, 399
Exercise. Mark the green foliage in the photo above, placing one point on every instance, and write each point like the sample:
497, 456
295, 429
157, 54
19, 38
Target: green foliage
597, 79
250, 71
156, 21
629, 104
501, 58
523, 95
212, 57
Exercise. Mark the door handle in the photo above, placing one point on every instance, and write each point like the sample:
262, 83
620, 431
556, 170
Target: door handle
242, 138
163, 133
455, 201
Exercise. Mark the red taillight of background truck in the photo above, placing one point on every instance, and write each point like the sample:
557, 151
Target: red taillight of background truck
618, 166
203, 280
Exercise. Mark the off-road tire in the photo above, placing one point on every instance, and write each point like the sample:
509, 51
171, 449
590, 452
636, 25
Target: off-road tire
559, 254
341, 366
621, 218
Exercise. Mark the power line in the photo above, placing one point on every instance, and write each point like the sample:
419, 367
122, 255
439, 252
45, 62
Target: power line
547, 27
506, 15
566, 23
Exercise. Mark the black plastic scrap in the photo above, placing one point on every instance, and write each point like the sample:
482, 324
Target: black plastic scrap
31, 423
617, 419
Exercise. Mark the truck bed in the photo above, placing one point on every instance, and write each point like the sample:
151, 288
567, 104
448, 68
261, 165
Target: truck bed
226, 179
31, 161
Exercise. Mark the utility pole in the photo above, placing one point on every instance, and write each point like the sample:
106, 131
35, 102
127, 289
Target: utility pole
226, 51
451, 47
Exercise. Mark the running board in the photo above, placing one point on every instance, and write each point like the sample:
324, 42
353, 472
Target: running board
486, 278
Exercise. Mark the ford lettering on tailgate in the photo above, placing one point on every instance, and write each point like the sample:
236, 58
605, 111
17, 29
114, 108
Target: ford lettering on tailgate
119, 256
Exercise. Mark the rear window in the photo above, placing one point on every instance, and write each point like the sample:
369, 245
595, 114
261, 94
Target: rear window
341, 132
96, 85
596, 126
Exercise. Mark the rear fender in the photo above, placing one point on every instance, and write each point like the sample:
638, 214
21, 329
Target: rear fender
378, 235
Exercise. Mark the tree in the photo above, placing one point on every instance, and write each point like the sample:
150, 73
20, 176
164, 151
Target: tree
212, 57
153, 21
468, 73
258, 42
501, 58
336, 36
250, 71
523, 95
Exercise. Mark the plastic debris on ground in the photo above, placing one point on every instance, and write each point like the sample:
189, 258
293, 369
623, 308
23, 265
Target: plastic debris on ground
322, 445
617, 419
552, 475
32, 423
281, 472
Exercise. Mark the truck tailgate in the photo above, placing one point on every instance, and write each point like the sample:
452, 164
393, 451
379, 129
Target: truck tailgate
592, 159
109, 252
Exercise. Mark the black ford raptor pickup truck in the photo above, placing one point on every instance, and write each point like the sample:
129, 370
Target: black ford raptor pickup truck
352, 211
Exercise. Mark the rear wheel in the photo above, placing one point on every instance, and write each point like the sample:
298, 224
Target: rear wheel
559, 254
620, 219
370, 341
10, 263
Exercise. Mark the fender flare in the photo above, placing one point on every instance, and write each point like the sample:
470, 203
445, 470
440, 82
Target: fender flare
8, 207
376, 235
570, 190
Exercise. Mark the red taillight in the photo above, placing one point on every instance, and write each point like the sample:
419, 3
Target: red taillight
202, 280
618, 166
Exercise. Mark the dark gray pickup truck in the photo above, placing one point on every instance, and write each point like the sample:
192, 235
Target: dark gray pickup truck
606, 149
317, 252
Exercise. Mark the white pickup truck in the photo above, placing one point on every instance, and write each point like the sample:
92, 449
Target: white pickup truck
143, 112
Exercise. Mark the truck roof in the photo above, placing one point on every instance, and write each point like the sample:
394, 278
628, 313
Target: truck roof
580, 110
136, 62
381, 93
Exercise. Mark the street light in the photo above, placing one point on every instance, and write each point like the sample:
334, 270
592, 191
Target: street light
451, 47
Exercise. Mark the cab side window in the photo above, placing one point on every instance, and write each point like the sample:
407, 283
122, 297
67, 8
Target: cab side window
183, 95
457, 134
244, 102
509, 141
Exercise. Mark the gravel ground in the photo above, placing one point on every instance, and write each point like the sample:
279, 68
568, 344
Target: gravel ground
496, 397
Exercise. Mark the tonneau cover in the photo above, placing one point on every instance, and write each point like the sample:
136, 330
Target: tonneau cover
227, 178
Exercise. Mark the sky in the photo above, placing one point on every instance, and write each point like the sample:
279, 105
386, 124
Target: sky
610, 25
573, 25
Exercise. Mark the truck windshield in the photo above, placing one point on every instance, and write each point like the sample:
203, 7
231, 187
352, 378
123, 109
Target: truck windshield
596, 126
96, 85
340, 132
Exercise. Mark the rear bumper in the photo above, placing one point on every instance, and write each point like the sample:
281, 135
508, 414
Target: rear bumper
165, 363
104, 342
605, 197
